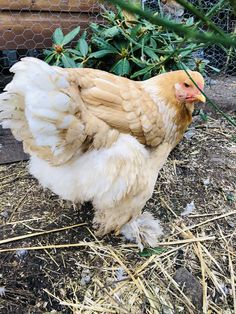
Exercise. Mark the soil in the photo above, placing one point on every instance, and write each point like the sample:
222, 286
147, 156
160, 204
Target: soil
109, 275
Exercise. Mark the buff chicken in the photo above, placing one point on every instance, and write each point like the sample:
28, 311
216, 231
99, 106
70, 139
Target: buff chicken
93, 136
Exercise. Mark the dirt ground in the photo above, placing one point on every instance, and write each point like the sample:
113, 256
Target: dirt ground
51, 261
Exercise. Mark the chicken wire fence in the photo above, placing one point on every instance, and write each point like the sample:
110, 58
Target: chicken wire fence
26, 27
222, 59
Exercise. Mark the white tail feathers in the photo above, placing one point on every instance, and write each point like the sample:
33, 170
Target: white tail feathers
12, 114
35, 99
144, 230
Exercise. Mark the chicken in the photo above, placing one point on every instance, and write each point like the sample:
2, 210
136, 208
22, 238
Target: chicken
93, 136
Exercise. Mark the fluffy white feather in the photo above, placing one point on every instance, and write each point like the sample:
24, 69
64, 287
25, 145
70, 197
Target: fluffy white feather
144, 230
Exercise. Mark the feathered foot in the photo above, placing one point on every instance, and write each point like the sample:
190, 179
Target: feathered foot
144, 230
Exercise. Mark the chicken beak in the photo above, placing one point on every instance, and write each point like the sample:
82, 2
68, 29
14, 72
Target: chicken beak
200, 98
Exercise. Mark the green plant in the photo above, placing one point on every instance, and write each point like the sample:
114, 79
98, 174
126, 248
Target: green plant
190, 34
139, 49
136, 49
61, 54
217, 36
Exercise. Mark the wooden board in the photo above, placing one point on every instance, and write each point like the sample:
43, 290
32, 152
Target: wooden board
51, 5
10, 149
28, 30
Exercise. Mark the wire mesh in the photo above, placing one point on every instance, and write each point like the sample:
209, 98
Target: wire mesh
26, 27
222, 15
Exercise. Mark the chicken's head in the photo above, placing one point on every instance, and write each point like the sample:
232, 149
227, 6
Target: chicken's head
186, 91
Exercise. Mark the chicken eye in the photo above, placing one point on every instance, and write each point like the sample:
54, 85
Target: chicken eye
186, 85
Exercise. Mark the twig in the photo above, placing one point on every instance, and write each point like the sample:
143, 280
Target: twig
117, 258
205, 222
21, 201
204, 284
188, 234
79, 305
52, 246
202, 239
23, 221
174, 283
168, 207
31, 235
117, 303
232, 281
203, 215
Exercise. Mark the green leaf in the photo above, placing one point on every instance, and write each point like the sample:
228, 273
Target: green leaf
110, 15
50, 57
152, 251
68, 62
142, 72
213, 68
121, 44
203, 115
110, 32
100, 53
71, 35
95, 27
47, 52
147, 76
139, 63
58, 36
103, 44
185, 53
122, 67
83, 46
151, 53
84, 35
74, 51
58, 57
153, 43
135, 30
80, 65
190, 21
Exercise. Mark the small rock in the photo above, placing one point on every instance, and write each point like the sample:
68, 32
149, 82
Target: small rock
189, 209
225, 289
218, 160
206, 182
21, 253
188, 135
2, 291
120, 274
166, 310
5, 214
231, 224
85, 277
190, 286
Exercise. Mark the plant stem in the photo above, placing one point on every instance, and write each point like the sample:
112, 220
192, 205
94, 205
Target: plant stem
187, 5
